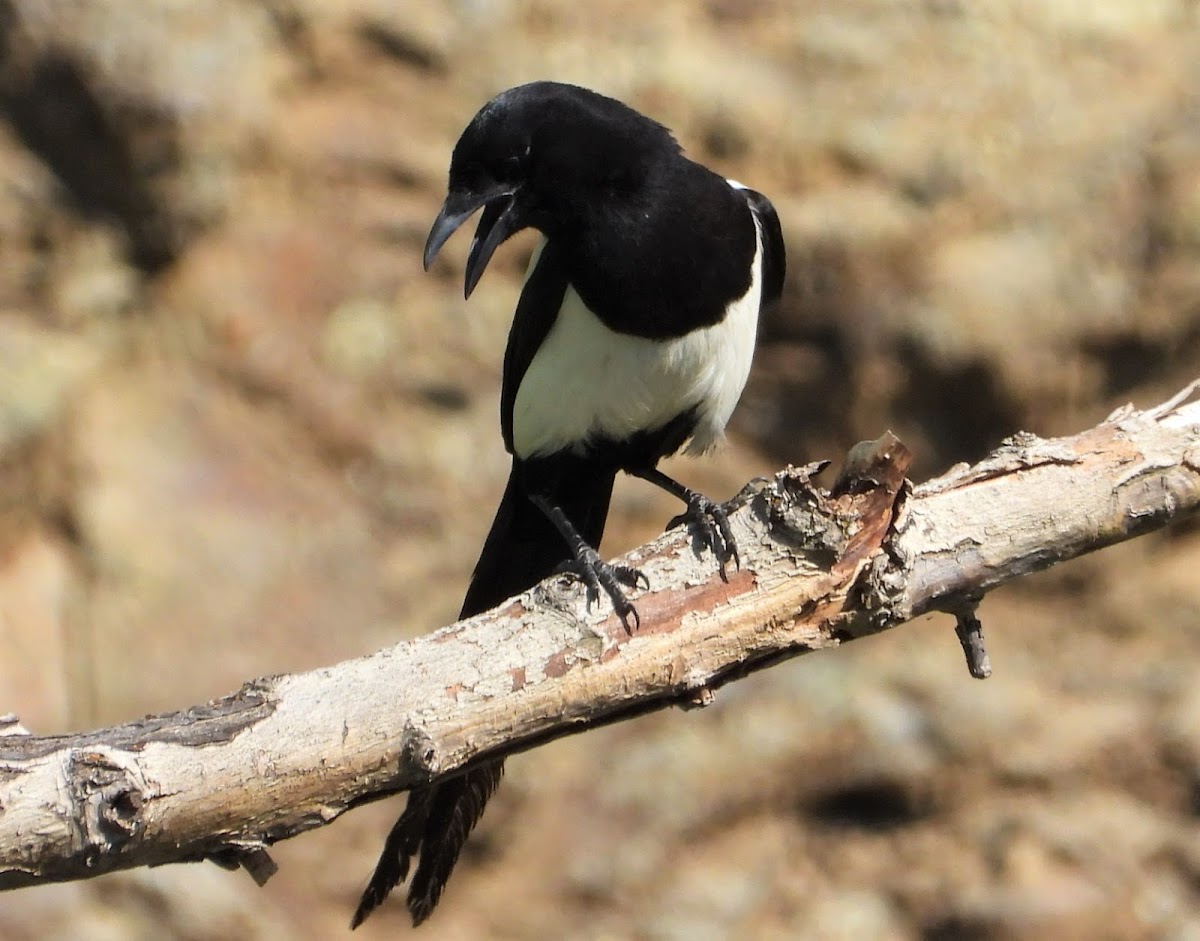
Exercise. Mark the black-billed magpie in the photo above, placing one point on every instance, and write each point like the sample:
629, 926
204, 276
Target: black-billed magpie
632, 338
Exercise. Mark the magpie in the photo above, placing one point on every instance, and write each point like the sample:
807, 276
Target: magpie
632, 339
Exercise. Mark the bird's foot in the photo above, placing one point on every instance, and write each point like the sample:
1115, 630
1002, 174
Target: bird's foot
710, 520
609, 577
711, 523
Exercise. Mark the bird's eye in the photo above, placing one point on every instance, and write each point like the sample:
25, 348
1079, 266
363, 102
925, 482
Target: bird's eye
515, 164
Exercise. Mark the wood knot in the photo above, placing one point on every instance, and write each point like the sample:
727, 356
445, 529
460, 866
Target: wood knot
109, 797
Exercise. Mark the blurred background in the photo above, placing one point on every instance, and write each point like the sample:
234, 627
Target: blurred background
242, 433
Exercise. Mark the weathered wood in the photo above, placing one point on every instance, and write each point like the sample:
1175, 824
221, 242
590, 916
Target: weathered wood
288, 753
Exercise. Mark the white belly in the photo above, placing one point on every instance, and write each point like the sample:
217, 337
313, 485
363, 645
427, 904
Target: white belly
586, 381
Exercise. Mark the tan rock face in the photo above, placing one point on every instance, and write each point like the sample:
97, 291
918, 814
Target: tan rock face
242, 432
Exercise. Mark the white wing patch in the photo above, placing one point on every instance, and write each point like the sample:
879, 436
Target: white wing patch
587, 381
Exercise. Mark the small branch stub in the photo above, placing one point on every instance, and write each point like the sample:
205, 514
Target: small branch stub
10, 724
255, 860
970, 635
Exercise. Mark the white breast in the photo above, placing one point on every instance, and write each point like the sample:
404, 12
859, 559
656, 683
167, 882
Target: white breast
586, 381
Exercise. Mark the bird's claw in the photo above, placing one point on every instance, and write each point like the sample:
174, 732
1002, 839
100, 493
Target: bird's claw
712, 524
629, 576
598, 575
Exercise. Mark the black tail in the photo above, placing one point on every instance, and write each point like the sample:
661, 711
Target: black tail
521, 549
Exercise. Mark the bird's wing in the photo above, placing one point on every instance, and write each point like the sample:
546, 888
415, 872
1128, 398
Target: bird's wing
774, 264
537, 309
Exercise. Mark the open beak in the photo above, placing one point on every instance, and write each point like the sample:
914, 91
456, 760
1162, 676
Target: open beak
498, 222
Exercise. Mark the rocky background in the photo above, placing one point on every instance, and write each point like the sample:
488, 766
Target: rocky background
242, 433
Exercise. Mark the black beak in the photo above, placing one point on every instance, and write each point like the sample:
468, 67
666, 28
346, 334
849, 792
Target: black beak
498, 222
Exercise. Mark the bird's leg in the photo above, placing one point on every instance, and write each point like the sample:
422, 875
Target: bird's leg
593, 570
709, 517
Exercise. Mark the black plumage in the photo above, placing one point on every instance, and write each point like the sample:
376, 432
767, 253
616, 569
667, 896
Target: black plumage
632, 339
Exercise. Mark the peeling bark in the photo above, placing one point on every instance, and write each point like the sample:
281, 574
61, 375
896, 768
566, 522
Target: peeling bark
285, 754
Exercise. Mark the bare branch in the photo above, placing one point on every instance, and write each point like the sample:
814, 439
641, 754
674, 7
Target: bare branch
288, 753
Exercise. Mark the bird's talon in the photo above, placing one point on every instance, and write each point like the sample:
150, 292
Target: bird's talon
600, 576
630, 576
637, 621
714, 531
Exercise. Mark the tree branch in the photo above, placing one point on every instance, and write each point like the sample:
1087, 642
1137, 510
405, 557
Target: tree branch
288, 753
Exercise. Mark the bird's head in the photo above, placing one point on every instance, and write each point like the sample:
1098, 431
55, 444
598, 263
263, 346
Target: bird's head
545, 156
